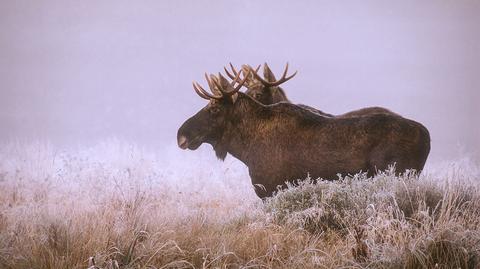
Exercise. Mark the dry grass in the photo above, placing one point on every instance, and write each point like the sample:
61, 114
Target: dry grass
127, 208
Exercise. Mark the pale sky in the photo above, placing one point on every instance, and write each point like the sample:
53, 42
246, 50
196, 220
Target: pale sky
81, 71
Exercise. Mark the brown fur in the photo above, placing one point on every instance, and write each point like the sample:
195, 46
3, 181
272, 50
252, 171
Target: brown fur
285, 142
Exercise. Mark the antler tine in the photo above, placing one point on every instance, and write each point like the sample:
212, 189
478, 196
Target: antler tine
218, 84
228, 73
257, 76
199, 88
209, 81
284, 78
233, 70
258, 67
199, 92
278, 82
235, 79
240, 84
235, 89
285, 71
251, 68
213, 87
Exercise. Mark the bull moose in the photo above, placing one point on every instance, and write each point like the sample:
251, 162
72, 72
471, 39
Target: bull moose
283, 142
267, 90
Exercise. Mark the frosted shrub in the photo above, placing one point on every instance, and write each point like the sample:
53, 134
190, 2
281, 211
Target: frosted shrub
321, 205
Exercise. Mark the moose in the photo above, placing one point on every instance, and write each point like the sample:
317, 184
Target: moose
284, 142
267, 90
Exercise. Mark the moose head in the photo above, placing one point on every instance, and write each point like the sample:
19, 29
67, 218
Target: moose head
208, 125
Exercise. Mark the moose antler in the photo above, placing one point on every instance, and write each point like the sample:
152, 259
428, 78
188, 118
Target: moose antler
217, 81
235, 73
275, 83
214, 81
257, 76
203, 93
233, 70
283, 79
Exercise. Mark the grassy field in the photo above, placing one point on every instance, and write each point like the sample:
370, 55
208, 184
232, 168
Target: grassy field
120, 206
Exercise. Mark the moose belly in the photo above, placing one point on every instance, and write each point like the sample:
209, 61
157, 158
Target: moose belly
267, 179
327, 169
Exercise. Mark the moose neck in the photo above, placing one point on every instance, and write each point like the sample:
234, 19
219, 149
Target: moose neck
241, 128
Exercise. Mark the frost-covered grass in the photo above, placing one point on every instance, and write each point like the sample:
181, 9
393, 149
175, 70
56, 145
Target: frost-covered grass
129, 207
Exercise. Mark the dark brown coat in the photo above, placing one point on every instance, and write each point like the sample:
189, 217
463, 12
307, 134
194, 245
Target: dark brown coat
284, 142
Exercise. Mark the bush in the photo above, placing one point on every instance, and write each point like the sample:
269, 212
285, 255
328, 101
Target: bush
386, 213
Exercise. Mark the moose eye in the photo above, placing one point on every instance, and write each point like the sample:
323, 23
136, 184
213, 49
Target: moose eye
257, 95
214, 110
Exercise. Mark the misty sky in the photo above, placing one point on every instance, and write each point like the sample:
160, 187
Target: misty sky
79, 71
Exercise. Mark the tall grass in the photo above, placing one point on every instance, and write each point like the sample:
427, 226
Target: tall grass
115, 205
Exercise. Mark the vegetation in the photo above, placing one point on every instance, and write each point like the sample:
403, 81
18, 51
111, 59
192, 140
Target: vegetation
118, 206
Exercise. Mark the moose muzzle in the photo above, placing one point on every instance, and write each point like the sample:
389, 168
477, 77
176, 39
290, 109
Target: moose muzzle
182, 142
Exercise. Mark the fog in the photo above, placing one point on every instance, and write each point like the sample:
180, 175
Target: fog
75, 72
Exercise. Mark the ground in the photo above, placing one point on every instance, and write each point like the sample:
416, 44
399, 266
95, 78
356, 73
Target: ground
121, 206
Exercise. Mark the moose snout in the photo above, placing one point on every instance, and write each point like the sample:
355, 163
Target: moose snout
182, 142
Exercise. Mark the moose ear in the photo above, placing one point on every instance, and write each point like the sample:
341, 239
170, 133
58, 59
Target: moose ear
268, 74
